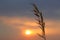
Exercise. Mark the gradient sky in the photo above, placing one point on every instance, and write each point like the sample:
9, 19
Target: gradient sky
17, 15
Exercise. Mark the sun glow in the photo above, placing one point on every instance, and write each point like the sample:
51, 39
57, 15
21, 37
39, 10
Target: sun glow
28, 32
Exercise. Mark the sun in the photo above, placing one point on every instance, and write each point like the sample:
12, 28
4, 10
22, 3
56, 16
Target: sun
28, 32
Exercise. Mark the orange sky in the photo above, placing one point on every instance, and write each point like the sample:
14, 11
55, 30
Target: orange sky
24, 23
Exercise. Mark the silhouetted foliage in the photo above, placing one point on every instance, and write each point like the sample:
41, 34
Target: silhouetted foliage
40, 21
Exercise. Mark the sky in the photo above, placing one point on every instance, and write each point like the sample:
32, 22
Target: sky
17, 16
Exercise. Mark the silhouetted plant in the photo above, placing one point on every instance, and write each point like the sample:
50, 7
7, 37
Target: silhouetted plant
40, 21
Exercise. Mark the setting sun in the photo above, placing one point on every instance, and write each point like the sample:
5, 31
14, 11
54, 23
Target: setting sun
28, 32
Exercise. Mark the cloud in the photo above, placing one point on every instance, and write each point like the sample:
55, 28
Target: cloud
23, 7
12, 27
